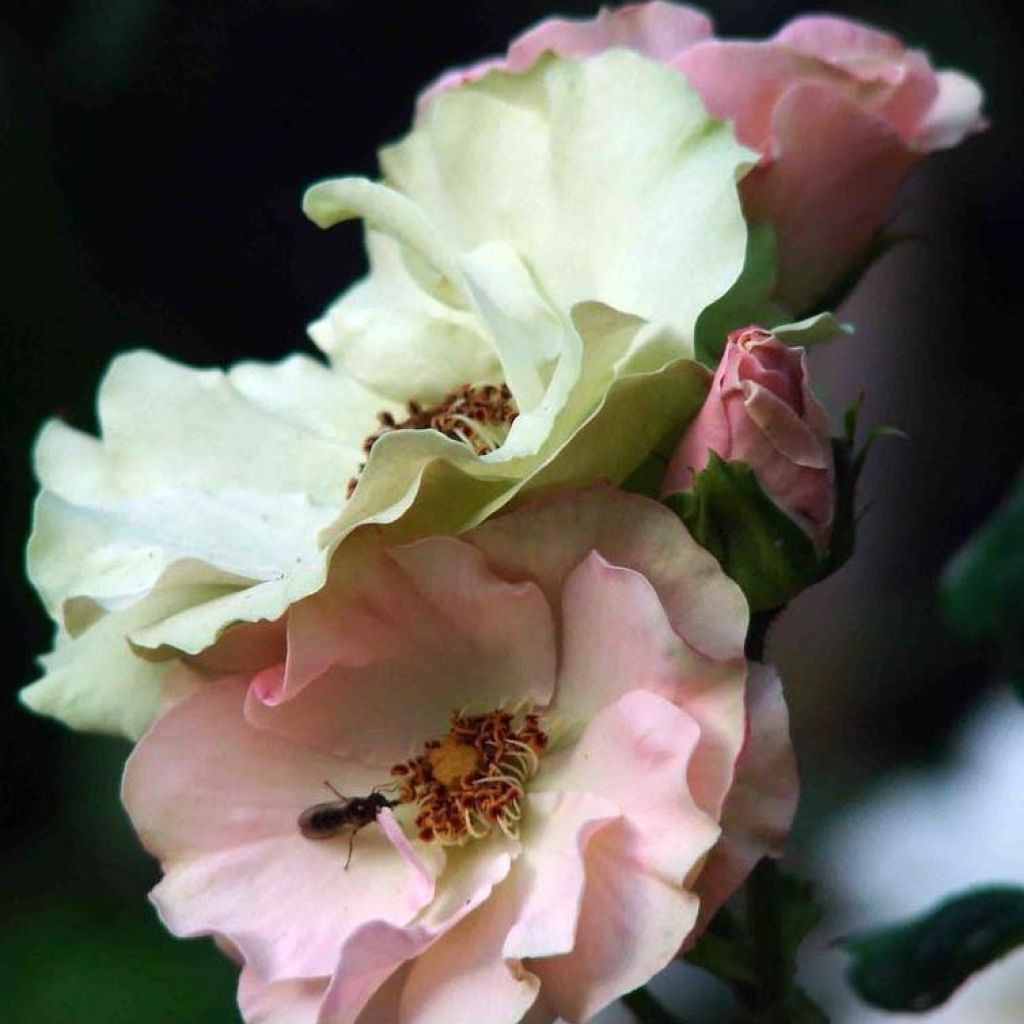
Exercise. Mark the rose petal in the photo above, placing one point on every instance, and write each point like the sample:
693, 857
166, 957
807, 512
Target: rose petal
632, 922
548, 539
465, 972
955, 114
432, 630
821, 222
759, 810
375, 952
657, 30
217, 801
294, 1001
548, 876
743, 81
782, 427
839, 39
617, 639
636, 754
434, 602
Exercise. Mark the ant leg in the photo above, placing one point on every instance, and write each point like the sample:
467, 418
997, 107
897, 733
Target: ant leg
351, 843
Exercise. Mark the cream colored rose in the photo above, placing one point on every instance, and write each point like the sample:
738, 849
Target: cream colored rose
539, 254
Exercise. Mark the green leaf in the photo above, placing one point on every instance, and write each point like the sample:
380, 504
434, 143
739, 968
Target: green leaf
756, 955
747, 301
983, 586
731, 960
783, 910
916, 965
647, 477
756, 543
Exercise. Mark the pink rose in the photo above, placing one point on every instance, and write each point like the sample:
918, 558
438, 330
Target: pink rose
573, 767
761, 411
839, 112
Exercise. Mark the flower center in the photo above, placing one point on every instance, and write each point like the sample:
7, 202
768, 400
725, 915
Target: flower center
474, 777
478, 415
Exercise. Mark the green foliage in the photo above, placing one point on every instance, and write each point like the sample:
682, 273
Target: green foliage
648, 1010
983, 586
747, 301
756, 543
750, 301
849, 463
916, 965
756, 955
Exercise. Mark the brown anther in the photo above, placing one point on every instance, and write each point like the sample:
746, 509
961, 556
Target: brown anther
474, 778
478, 415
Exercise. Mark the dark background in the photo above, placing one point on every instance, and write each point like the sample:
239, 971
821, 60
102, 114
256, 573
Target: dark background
152, 158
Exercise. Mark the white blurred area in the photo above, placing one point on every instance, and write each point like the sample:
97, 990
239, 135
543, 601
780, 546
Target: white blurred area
920, 837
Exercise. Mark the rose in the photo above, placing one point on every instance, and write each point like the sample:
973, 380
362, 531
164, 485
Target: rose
761, 411
554, 707
523, 326
839, 112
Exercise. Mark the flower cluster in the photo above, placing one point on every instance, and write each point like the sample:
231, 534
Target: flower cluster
433, 713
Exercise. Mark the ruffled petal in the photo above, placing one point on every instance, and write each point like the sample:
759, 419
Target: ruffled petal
454, 980
202, 479
422, 630
293, 1001
762, 802
955, 114
616, 638
548, 878
839, 40
234, 860
632, 923
743, 81
434, 602
615, 133
376, 953
547, 540
657, 30
131, 692
804, 193
636, 754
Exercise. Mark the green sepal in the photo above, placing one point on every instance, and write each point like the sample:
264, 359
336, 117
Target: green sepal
849, 464
918, 964
983, 587
755, 542
747, 301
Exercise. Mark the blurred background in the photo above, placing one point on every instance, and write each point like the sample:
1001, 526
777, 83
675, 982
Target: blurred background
152, 158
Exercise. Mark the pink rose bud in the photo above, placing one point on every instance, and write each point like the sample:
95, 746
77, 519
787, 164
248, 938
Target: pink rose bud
760, 410
839, 112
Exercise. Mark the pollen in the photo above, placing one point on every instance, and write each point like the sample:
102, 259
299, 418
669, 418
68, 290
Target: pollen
453, 760
478, 415
473, 779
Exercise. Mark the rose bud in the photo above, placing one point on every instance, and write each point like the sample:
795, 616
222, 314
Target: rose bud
761, 411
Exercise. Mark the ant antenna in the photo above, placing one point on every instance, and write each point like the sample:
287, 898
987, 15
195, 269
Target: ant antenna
334, 791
